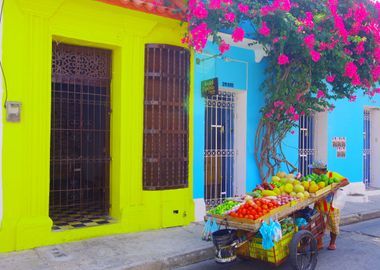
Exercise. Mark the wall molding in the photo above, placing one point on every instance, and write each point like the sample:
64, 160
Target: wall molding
248, 44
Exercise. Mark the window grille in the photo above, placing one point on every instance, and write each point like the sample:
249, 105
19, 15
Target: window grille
166, 118
306, 149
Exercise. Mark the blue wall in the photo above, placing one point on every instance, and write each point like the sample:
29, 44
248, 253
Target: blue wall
346, 120
230, 70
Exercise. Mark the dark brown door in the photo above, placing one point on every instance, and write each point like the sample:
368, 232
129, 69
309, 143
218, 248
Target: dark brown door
80, 130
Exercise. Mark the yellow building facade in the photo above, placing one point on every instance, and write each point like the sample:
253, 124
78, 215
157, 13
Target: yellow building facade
31, 29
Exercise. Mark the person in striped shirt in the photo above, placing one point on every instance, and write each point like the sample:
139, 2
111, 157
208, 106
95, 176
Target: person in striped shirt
324, 206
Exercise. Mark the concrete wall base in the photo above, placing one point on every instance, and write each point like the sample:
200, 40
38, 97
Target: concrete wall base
199, 209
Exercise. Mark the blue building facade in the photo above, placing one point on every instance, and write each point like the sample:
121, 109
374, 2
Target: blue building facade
342, 137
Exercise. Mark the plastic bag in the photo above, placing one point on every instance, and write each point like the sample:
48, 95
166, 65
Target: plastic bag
210, 227
300, 222
277, 232
270, 232
267, 242
340, 198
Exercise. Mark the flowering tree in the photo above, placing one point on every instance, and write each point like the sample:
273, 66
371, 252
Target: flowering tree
318, 51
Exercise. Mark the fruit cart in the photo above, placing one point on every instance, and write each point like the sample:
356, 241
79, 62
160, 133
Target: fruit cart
240, 237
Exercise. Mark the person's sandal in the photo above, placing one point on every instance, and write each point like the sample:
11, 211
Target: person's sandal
331, 247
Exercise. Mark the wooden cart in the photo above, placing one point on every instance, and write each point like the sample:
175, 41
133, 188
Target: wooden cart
300, 246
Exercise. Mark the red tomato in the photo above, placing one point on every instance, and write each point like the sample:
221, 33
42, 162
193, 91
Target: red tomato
244, 211
265, 211
250, 216
256, 216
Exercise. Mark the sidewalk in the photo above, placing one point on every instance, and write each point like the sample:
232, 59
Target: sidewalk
160, 249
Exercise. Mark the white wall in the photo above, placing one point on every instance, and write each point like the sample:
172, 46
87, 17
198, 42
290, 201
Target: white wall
375, 148
320, 136
1, 125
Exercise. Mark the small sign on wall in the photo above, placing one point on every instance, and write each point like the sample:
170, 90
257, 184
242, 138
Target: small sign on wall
339, 143
209, 87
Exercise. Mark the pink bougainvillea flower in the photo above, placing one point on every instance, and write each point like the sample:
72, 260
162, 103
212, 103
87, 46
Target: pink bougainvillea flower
269, 114
227, 2
284, 37
283, 59
299, 96
295, 117
200, 11
376, 54
323, 46
356, 80
350, 70
264, 30
300, 29
223, 47
315, 56
339, 24
330, 78
243, 8
278, 103
308, 21
376, 90
238, 34
376, 73
320, 94
360, 48
286, 5
310, 41
347, 51
215, 4
360, 13
265, 10
199, 36
352, 98
361, 61
229, 17
275, 40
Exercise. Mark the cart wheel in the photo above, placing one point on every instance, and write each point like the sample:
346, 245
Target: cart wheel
303, 251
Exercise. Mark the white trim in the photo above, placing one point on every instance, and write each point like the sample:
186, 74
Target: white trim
1, 123
199, 209
248, 44
320, 141
240, 140
375, 147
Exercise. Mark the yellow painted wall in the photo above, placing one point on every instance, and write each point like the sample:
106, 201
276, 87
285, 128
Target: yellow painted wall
29, 29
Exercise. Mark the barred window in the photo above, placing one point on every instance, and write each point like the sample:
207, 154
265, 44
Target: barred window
166, 117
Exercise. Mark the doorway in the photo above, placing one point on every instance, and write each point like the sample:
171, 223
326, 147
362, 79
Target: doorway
225, 144
80, 136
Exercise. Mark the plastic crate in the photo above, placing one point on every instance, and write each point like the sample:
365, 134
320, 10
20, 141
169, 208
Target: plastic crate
274, 255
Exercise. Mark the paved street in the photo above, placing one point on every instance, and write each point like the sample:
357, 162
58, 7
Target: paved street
358, 248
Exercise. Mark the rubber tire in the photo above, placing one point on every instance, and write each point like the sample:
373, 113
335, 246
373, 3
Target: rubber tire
293, 250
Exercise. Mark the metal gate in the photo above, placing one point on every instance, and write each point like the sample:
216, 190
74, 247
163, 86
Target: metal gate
306, 149
219, 151
367, 148
80, 131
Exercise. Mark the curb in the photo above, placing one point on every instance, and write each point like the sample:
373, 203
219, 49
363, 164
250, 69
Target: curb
200, 255
360, 217
176, 261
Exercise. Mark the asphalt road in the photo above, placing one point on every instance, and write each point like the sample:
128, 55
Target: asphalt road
358, 247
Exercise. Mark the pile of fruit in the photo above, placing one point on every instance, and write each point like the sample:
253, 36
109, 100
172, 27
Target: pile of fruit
287, 225
226, 206
255, 208
314, 182
288, 184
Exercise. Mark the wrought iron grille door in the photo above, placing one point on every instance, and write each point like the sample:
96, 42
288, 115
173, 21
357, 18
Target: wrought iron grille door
306, 149
80, 130
367, 148
219, 152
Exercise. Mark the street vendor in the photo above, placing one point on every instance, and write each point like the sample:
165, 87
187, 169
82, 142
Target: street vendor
324, 206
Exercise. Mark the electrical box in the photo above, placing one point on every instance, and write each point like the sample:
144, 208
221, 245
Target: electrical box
13, 109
